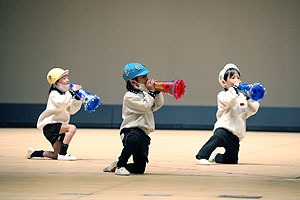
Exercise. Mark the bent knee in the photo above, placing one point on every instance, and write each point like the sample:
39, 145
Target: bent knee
140, 165
140, 171
232, 161
72, 128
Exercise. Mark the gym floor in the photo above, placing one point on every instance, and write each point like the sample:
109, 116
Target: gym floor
269, 168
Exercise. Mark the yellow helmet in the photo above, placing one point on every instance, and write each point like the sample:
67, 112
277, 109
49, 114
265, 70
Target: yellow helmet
55, 74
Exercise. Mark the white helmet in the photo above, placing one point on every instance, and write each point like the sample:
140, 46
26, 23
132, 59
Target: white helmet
224, 70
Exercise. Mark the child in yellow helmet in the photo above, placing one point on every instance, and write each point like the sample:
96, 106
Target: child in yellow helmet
54, 121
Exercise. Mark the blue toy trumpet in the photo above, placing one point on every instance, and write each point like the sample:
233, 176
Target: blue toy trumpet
90, 101
255, 91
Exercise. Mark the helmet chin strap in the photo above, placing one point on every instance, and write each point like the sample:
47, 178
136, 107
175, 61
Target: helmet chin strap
141, 87
62, 87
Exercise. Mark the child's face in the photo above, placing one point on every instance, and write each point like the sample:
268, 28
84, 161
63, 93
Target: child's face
233, 80
142, 79
64, 80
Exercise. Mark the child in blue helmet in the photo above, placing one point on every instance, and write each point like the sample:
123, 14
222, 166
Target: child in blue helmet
233, 110
139, 103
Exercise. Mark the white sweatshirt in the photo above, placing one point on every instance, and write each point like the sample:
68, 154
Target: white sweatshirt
59, 108
233, 110
138, 110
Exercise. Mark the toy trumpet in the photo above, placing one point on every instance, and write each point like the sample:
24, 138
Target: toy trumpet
90, 101
255, 91
175, 88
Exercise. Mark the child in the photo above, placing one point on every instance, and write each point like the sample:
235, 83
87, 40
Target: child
139, 103
54, 121
233, 110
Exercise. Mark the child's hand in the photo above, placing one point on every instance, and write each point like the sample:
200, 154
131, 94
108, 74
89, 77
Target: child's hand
150, 85
237, 83
76, 87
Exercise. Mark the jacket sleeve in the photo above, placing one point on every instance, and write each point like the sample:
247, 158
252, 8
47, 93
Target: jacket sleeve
136, 104
252, 107
60, 101
159, 102
74, 106
225, 99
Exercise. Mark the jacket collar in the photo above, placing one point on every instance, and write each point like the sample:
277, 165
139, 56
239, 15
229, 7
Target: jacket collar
54, 88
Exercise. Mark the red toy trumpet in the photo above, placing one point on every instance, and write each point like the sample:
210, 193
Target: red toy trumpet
175, 88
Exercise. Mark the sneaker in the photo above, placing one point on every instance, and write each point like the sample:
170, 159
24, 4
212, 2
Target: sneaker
66, 157
202, 162
29, 152
122, 171
111, 168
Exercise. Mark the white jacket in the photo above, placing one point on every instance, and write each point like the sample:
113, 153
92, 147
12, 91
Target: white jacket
138, 110
59, 108
233, 110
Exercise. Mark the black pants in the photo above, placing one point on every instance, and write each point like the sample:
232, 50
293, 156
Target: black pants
221, 138
135, 143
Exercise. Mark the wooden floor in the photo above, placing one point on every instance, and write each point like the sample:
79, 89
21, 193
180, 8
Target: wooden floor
269, 168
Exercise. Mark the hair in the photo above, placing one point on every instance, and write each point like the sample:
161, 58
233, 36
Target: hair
130, 87
230, 72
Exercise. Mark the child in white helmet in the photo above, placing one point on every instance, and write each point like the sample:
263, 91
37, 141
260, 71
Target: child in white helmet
233, 110
139, 103
54, 121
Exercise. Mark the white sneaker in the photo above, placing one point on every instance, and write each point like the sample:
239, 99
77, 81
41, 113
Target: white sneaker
29, 152
111, 168
66, 157
122, 171
202, 162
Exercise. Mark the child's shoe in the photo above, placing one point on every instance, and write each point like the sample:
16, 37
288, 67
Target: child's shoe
29, 152
111, 168
66, 157
202, 162
122, 171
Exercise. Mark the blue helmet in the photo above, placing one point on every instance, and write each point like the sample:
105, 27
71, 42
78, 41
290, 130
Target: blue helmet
132, 70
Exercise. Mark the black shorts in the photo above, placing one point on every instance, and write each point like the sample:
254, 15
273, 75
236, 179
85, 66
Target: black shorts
51, 132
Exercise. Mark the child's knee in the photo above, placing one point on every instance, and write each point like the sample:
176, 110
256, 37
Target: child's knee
234, 160
231, 160
72, 128
140, 171
140, 165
